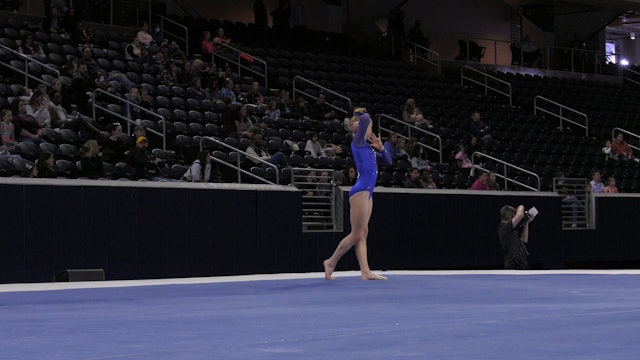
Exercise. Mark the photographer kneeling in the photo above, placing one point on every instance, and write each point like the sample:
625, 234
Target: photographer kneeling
512, 237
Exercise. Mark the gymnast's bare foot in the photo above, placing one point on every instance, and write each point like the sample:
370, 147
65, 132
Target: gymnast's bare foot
372, 276
328, 270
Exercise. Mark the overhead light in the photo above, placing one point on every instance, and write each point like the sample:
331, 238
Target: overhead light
624, 62
632, 36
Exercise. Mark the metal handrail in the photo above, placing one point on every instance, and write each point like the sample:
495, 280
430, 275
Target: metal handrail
185, 39
417, 50
128, 119
505, 176
624, 69
329, 189
27, 59
239, 64
324, 89
562, 118
500, 52
596, 55
617, 129
485, 83
415, 128
237, 166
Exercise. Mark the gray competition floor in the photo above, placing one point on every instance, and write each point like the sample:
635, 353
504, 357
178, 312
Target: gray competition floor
413, 315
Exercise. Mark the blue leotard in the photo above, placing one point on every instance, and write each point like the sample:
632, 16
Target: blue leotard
365, 158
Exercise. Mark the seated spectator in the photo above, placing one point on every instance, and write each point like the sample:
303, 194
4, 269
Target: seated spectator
38, 109
169, 75
200, 169
156, 34
221, 38
240, 95
391, 145
91, 160
31, 48
274, 110
287, 103
133, 51
26, 126
331, 150
175, 53
301, 107
207, 46
472, 147
195, 91
131, 109
81, 88
620, 148
493, 182
75, 121
606, 149
351, 176
51, 23
256, 149
212, 92
596, 184
227, 91
143, 36
138, 131
157, 61
92, 65
7, 129
338, 178
308, 186
243, 122
417, 155
146, 100
114, 148
481, 182
462, 160
402, 145
478, 128
145, 163
413, 180
5, 152
611, 186
83, 34
254, 96
23, 93
7, 141
427, 180
320, 110
313, 147
412, 115
45, 166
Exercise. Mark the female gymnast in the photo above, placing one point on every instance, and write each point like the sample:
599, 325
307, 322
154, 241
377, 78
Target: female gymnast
362, 146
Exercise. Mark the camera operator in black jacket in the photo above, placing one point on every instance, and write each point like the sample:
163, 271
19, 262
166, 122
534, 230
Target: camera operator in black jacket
513, 237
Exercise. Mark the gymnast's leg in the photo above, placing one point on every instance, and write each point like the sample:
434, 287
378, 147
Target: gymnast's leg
361, 205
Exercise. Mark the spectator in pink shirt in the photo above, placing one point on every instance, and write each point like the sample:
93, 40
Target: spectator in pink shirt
462, 160
481, 182
611, 186
207, 47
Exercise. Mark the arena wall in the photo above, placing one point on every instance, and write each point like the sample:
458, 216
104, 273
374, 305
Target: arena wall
142, 230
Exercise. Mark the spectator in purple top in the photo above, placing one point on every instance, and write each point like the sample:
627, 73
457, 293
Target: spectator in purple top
481, 182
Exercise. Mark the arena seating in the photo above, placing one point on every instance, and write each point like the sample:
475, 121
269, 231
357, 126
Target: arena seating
371, 80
